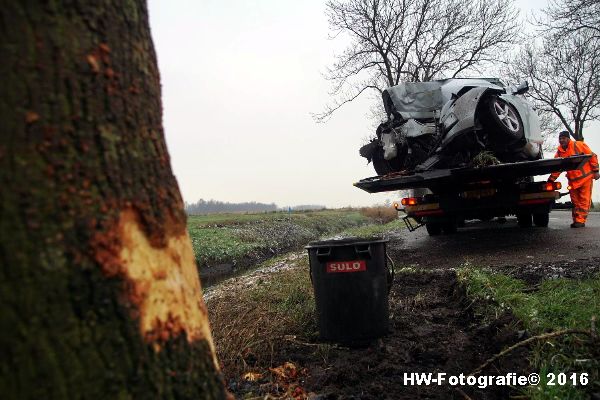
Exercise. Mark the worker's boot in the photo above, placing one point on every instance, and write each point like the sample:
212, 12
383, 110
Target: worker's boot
577, 225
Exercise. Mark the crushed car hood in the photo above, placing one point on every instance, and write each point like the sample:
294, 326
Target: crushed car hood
418, 99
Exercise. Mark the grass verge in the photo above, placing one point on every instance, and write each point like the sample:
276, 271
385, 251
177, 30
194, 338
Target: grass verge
233, 238
250, 327
373, 230
551, 305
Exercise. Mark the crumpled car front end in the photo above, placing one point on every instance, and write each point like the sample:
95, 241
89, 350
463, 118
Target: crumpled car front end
447, 123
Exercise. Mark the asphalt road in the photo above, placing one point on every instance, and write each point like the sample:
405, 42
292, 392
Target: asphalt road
495, 244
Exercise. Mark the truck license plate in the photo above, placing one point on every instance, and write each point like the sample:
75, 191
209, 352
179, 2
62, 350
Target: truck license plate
346, 266
477, 194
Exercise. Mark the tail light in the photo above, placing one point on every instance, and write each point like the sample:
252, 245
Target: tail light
409, 201
396, 205
550, 186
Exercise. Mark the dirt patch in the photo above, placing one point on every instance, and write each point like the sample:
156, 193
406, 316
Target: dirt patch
534, 273
432, 329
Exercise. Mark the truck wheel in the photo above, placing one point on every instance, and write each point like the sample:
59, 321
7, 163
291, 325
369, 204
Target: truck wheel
433, 228
524, 220
541, 219
449, 227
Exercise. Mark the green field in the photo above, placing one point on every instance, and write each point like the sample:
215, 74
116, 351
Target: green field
247, 238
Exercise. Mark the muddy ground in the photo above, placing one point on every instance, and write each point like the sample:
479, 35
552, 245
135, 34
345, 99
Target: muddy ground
433, 327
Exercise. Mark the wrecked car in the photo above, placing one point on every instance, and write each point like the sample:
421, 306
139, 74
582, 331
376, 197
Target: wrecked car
447, 123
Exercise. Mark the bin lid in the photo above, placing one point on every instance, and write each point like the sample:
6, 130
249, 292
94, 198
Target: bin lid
351, 241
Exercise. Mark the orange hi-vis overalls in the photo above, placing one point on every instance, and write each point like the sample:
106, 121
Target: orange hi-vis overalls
580, 180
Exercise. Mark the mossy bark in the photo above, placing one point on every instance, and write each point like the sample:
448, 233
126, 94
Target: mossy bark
81, 142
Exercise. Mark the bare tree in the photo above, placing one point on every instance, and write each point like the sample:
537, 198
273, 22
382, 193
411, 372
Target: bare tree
394, 41
563, 76
569, 16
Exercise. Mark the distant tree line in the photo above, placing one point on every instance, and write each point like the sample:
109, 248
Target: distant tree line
307, 207
215, 206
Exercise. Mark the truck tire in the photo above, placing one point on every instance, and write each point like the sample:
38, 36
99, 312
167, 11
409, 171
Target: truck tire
449, 227
433, 228
524, 220
541, 219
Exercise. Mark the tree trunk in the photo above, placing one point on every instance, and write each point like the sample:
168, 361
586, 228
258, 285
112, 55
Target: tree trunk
579, 135
100, 296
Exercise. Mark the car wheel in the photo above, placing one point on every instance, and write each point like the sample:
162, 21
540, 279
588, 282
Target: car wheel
503, 118
433, 228
383, 166
524, 220
541, 219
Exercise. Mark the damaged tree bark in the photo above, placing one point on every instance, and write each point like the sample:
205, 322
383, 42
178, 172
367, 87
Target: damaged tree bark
99, 292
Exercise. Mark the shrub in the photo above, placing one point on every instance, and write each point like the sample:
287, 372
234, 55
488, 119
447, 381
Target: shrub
381, 215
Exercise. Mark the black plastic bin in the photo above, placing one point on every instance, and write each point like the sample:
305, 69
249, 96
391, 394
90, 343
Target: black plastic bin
351, 281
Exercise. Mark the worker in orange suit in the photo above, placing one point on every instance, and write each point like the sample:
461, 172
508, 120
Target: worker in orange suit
580, 180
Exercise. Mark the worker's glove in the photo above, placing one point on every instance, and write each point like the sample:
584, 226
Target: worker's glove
597, 175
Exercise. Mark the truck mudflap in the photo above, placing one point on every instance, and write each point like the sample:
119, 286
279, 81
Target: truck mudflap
444, 177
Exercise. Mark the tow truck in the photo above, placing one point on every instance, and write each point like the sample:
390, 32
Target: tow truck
459, 194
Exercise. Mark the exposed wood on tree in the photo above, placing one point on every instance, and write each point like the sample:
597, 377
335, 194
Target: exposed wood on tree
99, 296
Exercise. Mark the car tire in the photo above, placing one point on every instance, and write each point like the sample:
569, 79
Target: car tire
524, 220
433, 228
541, 219
383, 166
503, 119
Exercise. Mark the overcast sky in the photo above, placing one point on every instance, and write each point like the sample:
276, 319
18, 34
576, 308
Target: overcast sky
239, 81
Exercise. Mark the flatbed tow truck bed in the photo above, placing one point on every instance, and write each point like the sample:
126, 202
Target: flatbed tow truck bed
446, 177
461, 194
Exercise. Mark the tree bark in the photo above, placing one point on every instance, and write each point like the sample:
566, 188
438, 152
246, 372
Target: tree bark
99, 291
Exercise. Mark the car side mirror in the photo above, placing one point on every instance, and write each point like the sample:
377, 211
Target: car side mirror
521, 88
